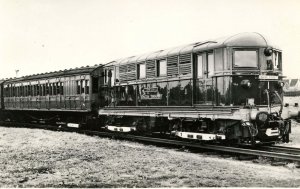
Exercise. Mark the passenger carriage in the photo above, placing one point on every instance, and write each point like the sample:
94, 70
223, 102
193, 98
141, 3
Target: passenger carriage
64, 97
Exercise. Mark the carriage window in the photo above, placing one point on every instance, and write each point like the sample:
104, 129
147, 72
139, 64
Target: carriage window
40, 88
82, 83
219, 65
14, 91
141, 71
78, 87
50, 89
6, 94
87, 86
54, 88
117, 74
21, 91
61, 88
47, 89
276, 60
7, 91
44, 90
57, 88
161, 68
105, 76
25, 90
112, 77
37, 89
199, 66
210, 64
33, 89
245, 58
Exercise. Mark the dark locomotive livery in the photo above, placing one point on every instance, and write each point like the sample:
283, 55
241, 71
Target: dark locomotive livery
229, 89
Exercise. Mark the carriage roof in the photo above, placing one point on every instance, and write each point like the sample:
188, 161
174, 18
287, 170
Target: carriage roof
60, 73
239, 40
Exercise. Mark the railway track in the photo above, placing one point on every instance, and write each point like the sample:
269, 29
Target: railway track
277, 152
281, 149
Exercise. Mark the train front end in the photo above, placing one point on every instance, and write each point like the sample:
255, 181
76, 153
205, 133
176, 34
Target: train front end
257, 86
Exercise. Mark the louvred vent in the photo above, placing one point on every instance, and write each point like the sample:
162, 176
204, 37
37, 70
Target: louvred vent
127, 72
123, 72
185, 64
172, 65
131, 72
150, 70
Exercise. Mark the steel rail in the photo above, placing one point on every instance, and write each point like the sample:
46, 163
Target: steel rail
236, 150
282, 149
171, 142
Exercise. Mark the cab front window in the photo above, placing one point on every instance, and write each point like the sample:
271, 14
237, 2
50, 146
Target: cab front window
245, 58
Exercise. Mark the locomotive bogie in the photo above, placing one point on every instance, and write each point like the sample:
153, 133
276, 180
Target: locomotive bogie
203, 129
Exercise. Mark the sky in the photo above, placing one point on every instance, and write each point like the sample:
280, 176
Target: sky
38, 36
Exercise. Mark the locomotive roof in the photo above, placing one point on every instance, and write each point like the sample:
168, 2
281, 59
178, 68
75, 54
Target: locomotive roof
72, 71
238, 40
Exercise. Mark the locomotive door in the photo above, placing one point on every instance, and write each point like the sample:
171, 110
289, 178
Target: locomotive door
203, 84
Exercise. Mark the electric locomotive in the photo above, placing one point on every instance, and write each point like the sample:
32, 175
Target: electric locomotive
227, 89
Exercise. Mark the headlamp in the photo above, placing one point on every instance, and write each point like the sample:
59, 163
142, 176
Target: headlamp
268, 51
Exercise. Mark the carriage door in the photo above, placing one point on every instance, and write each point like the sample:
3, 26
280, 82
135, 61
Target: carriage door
203, 84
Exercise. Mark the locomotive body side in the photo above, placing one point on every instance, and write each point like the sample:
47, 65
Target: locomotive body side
220, 89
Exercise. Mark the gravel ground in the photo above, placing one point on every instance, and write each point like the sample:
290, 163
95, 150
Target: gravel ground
40, 158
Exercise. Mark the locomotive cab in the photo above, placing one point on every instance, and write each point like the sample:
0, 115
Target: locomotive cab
257, 85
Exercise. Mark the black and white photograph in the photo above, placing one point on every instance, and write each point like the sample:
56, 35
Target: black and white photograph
149, 93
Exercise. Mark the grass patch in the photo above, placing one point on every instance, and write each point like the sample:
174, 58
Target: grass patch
40, 158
